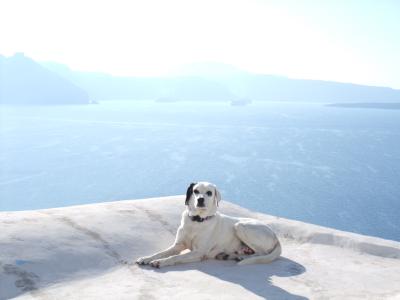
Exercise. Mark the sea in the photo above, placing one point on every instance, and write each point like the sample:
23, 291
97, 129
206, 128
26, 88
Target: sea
332, 166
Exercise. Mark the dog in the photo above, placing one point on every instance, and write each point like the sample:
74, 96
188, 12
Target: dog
211, 235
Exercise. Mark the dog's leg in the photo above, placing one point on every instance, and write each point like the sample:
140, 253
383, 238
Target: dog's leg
193, 256
259, 238
173, 250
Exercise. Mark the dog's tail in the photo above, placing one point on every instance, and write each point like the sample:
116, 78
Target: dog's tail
263, 259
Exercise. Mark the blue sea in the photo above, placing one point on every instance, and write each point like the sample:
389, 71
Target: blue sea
332, 166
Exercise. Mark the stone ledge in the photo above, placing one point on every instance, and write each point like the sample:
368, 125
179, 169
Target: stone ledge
87, 252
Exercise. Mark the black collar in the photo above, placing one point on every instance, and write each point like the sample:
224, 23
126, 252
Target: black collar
197, 218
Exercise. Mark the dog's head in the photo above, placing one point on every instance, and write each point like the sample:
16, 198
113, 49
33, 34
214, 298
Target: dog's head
202, 199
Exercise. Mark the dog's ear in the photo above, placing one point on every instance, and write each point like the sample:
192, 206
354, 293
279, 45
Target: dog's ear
189, 193
217, 195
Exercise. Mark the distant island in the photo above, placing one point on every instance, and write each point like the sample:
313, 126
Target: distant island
24, 81
240, 102
367, 105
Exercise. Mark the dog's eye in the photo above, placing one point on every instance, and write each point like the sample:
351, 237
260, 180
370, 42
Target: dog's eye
209, 193
196, 192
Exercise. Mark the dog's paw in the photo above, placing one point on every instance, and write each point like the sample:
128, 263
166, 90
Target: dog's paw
239, 258
222, 256
158, 263
144, 260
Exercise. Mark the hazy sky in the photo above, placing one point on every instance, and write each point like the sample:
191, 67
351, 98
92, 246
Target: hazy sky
341, 40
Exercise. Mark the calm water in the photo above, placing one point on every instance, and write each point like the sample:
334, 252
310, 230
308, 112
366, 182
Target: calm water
330, 166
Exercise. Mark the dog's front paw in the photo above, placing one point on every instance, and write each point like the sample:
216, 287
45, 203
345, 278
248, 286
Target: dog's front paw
145, 260
158, 263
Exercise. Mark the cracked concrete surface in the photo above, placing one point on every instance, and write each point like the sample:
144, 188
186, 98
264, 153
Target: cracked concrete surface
87, 252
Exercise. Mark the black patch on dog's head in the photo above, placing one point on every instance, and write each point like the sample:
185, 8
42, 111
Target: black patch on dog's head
189, 193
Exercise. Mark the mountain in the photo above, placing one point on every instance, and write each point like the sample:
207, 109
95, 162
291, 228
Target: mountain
101, 86
221, 82
23, 81
261, 87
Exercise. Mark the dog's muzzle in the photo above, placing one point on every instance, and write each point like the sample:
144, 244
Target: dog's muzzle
200, 202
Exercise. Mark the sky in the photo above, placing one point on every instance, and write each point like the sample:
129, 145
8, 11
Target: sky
339, 40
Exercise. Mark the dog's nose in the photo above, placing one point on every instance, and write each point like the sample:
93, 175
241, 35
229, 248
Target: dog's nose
200, 202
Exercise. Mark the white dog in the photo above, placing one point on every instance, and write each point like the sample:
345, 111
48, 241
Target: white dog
209, 234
